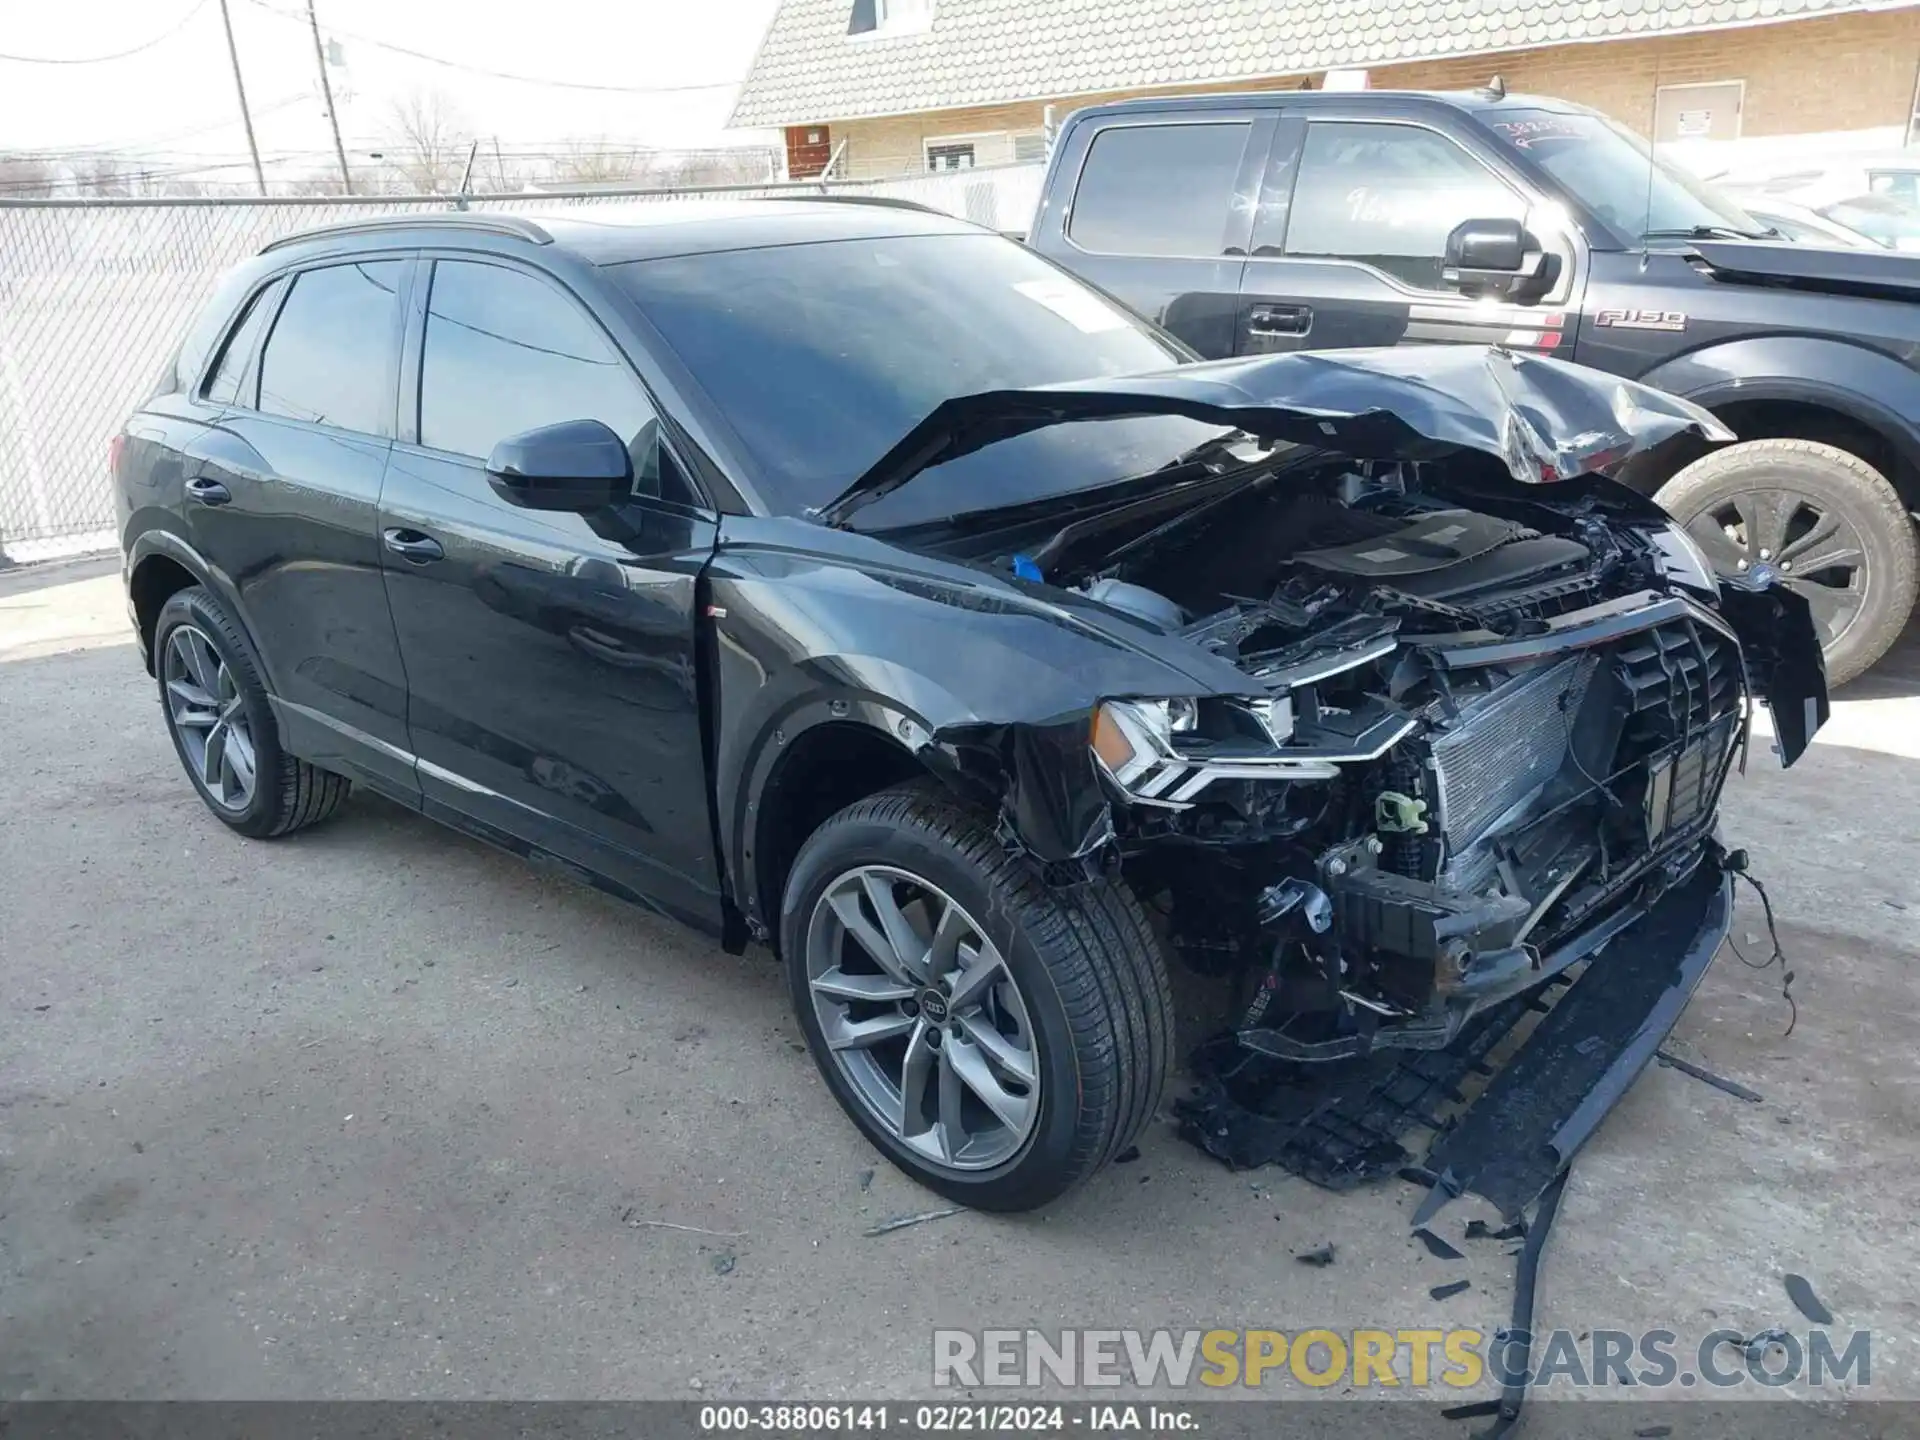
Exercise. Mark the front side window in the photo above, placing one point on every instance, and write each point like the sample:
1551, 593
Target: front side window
1388, 196
327, 360
1158, 189
505, 352
224, 386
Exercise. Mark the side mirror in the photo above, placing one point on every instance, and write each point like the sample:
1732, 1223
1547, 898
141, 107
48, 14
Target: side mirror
577, 465
1495, 258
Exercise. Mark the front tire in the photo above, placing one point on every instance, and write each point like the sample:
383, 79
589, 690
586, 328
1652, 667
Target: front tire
223, 728
997, 1038
1823, 522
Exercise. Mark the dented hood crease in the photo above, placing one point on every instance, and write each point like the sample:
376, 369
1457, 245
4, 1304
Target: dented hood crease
1544, 419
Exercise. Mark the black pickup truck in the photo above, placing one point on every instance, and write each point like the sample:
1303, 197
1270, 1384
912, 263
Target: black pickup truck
1318, 220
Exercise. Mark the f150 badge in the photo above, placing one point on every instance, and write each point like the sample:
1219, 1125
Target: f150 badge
1642, 319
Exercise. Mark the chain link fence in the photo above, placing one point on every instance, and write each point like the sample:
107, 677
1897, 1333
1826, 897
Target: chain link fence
94, 295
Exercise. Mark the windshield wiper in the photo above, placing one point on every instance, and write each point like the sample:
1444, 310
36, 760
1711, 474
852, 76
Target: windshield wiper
1712, 232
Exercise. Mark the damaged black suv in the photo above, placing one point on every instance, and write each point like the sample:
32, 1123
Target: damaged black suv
847, 577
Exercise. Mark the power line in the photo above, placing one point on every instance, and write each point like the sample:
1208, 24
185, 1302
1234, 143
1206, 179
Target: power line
167, 34
501, 74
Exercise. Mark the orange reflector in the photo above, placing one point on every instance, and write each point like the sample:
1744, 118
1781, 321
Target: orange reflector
1110, 742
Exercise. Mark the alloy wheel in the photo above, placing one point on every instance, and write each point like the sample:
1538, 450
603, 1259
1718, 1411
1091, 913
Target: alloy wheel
1785, 537
923, 1017
209, 718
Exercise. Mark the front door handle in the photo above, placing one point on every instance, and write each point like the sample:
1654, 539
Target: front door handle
413, 545
1279, 320
208, 492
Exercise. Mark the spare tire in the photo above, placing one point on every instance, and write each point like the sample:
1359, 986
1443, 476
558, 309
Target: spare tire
1813, 518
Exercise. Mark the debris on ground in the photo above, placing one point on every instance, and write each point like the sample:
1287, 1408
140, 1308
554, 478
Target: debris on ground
1653, 1432
1127, 1156
1447, 1292
1319, 1259
1805, 1301
1480, 1230
866, 1181
1437, 1247
723, 1263
901, 1222
1756, 1347
634, 1222
1698, 1072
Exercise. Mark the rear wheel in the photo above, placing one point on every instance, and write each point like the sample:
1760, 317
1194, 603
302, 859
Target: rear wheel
223, 727
998, 1039
1813, 518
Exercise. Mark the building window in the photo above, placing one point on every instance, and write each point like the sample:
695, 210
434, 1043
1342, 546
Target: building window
950, 155
1698, 112
892, 17
1030, 147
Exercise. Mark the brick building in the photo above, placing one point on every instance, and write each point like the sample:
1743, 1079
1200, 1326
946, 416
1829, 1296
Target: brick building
890, 87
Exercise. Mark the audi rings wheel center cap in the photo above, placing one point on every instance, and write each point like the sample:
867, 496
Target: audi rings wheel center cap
933, 1005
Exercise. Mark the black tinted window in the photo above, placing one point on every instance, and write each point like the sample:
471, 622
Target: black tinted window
1158, 189
1388, 195
327, 359
821, 357
507, 352
224, 387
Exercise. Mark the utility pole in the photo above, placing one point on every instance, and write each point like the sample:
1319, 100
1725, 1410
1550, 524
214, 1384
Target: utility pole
326, 89
246, 115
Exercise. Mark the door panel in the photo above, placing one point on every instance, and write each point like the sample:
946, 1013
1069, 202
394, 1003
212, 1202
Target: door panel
553, 698
288, 509
1161, 213
1353, 257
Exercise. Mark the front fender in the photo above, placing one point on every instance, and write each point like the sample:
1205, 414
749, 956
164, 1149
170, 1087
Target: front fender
1864, 384
990, 683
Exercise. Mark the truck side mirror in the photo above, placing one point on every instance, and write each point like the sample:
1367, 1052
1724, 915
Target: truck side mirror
1497, 259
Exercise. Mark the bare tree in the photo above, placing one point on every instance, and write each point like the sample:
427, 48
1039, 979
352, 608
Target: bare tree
318, 183
597, 163
103, 175
430, 144
24, 176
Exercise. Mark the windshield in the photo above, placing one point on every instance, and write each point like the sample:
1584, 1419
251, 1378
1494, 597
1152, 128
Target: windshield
1612, 172
822, 356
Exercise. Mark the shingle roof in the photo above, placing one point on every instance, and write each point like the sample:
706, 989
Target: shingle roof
987, 52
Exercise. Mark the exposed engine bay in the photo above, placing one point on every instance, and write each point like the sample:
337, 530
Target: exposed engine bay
1488, 725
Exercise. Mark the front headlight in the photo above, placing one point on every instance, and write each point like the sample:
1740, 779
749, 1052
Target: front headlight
1166, 751
1682, 560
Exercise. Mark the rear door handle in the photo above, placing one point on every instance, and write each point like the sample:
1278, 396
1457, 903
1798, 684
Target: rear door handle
1279, 320
413, 545
208, 492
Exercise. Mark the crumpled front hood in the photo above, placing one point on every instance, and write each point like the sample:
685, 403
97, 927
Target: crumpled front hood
1544, 419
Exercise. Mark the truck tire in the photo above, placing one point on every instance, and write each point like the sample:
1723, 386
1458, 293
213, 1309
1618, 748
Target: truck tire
998, 1038
1816, 519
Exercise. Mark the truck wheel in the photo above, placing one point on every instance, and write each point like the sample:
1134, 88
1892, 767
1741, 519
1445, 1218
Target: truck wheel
998, 1039
1813, 518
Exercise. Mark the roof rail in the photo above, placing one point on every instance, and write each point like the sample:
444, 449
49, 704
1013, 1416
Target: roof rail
889, 202
515, 225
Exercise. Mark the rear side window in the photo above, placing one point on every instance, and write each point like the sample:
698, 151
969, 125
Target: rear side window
1388, 196
327, 358
1158, 189
224, 387
507, 352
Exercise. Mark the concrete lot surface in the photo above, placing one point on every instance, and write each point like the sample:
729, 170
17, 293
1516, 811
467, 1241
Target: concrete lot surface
376, 1111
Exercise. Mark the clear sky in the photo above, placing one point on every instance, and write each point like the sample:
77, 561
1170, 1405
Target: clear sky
174, 99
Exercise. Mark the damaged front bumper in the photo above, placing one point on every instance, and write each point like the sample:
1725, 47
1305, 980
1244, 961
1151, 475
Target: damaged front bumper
1342, 1124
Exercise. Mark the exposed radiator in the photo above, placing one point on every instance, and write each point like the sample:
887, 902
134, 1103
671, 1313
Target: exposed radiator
1502, 752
